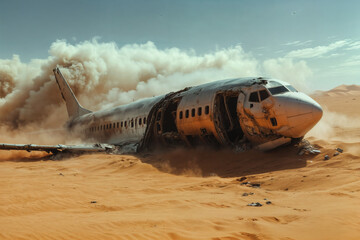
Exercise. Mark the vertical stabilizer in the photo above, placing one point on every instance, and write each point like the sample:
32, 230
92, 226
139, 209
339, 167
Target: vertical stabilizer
73, 107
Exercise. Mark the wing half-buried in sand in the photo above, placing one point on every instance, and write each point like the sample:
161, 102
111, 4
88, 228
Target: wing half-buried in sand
57, 148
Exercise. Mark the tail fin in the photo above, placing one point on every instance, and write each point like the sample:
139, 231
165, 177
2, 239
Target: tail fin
73, 107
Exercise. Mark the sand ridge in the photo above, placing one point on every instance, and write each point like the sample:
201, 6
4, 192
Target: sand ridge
191, 193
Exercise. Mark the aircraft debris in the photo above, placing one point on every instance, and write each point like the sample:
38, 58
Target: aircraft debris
58, 148
339, 150
241, 179
255, 204
268, 202
255, 185
93, 202
245, 194
61, 174
241, 113
249, 184
335, 154
326, 157
306, 147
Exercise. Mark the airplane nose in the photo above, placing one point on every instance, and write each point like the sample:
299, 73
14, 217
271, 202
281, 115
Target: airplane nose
317, 112
303, 113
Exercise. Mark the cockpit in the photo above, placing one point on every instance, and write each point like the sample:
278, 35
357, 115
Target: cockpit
275, 88
278, 106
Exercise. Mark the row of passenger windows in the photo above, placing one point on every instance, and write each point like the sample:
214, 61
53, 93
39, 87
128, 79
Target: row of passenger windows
130, 123
193, 112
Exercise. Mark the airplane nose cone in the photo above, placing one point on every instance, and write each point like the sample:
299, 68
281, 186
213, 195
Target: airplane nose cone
303, 113
317, 112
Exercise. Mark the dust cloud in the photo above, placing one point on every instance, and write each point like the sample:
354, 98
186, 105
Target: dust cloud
103, 75
330, 125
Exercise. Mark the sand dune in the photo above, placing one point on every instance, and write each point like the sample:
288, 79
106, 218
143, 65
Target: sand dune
192, 194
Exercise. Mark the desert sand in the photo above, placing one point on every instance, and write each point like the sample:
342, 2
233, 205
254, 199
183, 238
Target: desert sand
193, 194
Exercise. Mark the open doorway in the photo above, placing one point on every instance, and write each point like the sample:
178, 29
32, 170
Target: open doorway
165, 122
227, 121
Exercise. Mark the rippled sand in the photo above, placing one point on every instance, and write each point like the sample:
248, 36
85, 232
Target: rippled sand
193, 194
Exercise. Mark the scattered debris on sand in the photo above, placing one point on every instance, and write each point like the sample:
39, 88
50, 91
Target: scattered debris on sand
241, 179
255, 204
326, 157
253, 185
339, 150
306, 147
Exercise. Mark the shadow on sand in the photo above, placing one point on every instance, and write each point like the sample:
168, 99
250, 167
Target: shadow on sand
201, 162
225, 163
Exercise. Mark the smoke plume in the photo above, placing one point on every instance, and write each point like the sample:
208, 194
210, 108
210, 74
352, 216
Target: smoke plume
103, 75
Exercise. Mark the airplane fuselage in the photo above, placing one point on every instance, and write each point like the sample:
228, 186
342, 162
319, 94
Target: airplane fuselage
231, 112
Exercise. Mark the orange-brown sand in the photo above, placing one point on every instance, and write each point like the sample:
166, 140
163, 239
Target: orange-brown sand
193, 194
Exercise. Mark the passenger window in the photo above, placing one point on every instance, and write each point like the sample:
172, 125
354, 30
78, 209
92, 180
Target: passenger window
125, 123
207, 110
254, 97
121, 124
140, 121
199, 111
187, 113
181, 115
144, 120
263, 95
114, 125
132, 123
118, 125
193, 112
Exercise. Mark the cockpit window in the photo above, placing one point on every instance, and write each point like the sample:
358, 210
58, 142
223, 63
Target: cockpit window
291, 88
272, 84
263, 95
254, 97
278, 90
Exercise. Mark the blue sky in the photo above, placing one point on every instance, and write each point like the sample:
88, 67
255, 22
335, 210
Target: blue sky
324, 34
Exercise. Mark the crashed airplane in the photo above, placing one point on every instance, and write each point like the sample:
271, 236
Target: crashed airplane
239, 113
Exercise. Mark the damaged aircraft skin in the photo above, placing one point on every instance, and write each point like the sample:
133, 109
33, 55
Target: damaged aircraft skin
238, 113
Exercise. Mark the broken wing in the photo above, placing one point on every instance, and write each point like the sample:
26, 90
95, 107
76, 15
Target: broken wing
57, 148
